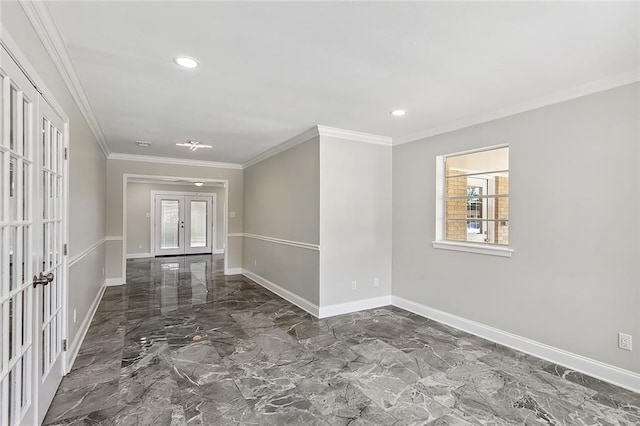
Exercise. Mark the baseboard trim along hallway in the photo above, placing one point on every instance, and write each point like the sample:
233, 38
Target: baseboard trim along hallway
300, 302
84, 327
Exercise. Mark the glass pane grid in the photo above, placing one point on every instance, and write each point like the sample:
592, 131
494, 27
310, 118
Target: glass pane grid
476, 200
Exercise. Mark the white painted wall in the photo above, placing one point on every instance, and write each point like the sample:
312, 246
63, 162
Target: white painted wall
573, 281
281, 199
139, 204
87, 171
116, 169
355, 220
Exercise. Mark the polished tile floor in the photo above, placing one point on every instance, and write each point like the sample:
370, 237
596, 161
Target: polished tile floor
183, 344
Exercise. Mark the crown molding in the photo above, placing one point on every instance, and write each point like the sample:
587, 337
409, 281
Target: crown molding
40, 17
170, 160
354, 136
289, 143
601, 85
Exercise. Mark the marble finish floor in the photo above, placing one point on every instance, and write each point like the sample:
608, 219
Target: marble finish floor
183, 344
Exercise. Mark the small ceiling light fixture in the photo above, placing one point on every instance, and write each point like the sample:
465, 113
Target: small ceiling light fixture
398, 112
193, 145
186, 62
143, 144
198, 183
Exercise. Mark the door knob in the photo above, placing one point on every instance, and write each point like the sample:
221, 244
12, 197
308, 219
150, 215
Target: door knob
42, 279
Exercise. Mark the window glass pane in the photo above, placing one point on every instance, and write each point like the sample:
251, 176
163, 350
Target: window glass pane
169, 224
13, 189
13, 117
476, 196
198, 224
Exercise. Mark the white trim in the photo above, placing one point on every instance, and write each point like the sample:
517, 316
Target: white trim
289, 143
235, 234
284, 293
82, 255
171, 160
540, 102
479, 248
355, 306
300, 244
354, 136
83, 329
606, 372
233, 271
114, 238
138, 255
44, 25
218, 251
115, 281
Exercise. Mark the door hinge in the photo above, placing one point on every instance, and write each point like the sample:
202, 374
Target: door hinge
66, 153
65, 249
64, 345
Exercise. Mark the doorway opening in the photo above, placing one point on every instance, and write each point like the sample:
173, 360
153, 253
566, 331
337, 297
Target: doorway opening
170, 215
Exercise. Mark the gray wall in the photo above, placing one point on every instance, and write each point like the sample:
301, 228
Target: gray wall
87, 171
573, 280
116, 169
281, 199
139, 204
355, 220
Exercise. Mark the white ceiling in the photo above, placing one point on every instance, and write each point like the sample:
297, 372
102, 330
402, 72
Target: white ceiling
272, 70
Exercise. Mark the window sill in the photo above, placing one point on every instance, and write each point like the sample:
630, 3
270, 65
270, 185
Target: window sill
480, 248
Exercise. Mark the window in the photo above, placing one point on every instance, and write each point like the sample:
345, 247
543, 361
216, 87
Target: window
472, 206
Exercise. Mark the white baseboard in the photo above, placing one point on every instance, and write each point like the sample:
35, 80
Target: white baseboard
233, 271
84, 327
606, 372
282, 292
218, 251
115, 281
358, 305
138, 255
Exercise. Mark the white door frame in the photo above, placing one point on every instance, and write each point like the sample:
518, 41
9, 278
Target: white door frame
160, 178
46, 95
152, 222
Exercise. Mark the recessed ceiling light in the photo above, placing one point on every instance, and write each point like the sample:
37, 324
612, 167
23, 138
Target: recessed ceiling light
398, 112
143, 144
186, 62
193, 145
198, 183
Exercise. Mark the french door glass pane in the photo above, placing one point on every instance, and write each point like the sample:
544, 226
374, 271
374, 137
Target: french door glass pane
198, 224
170, 224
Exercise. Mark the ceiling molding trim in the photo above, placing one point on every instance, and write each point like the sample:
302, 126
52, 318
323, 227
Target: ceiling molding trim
289, 143
40, 17
354, 136
544, 101
171, 160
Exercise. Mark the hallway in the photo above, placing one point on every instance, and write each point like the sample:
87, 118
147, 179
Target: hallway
182, 344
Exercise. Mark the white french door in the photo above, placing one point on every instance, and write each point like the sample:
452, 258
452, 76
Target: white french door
183, 224
49, 297
31, 241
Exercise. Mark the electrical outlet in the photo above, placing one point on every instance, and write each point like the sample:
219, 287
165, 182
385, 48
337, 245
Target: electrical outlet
354, 285
103, 272
624, 341
255, 262
376, 282
139, 246
75, 316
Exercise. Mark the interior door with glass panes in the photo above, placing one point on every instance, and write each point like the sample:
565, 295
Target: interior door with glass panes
31, 286
18, 108
49, 255
183, 224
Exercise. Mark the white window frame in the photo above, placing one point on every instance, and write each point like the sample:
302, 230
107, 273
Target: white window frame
464, 246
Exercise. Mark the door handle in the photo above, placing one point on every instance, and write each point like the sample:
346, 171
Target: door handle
42, 279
